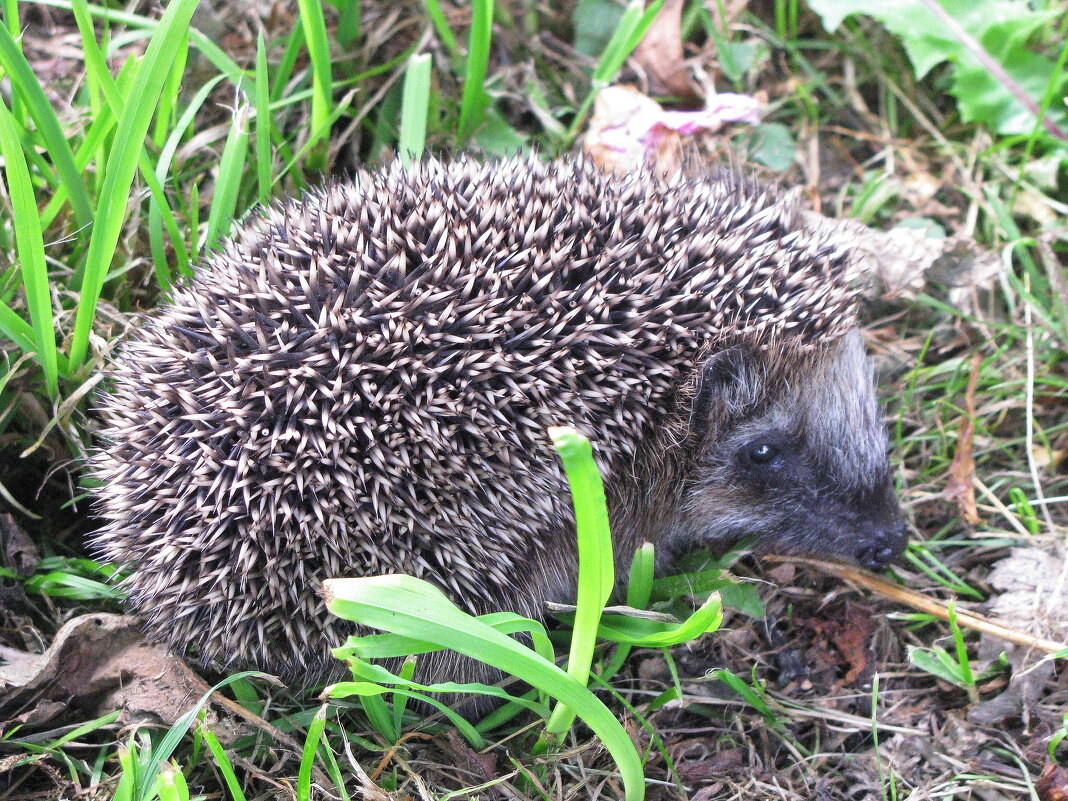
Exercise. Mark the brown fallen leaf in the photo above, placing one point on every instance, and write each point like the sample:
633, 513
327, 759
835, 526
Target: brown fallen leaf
98, 663
900, 262
480, 764
1031, 594
17, 550
849, 633
1052, 783
961, 484
710, 765
659, 54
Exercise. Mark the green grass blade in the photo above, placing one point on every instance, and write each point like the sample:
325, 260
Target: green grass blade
163, 167
124, 790
16, 329
222, 762
639, 592
378, 715
596, 571
26, 86
29, 241
348, 22
441, 26
366, 690
153, 761
475, 100
171, 785
11, 16
262, 102
122, 163
414, 107
632, 26
656, 634
407, 672
307, 757
751, 696
211, 51
311, 15
170, 97
228, 181
640, 580
284, 71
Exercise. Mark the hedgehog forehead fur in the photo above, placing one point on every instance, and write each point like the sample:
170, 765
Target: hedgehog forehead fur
359, 382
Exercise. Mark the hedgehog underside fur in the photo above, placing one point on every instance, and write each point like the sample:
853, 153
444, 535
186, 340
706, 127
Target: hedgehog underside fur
360, 383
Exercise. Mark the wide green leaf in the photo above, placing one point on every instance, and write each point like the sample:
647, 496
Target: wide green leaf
414, 608
1002, 27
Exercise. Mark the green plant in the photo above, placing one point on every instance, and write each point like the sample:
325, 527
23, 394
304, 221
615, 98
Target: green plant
1057, 738
997, 79
955, 668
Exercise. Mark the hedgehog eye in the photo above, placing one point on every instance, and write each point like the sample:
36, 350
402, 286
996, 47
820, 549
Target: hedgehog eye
762, 453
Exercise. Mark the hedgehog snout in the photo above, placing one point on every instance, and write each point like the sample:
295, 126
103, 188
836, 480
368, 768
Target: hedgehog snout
881, 544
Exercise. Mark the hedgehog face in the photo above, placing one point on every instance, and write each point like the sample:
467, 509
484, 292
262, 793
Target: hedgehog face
798, 462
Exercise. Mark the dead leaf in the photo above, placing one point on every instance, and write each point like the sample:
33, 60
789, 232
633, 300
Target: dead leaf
1033, 595
900, 262
1047, 458
17, 550
961, 485
711, 766
97, 663
483, 765
659, 54
849, 632
1052, 783
919, 187
629, 131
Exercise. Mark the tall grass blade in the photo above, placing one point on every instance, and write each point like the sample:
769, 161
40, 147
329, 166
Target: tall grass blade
171, 784
441, 26
415, 608
262, 101
25, 86
414, 107
284, 71
307, 758
16, 329
596, 570
311, 15
170, 97
29, 241
122, 163
348, 22
475, 100
228, 181
632, 26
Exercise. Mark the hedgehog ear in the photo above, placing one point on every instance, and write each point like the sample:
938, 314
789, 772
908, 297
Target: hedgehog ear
726, 384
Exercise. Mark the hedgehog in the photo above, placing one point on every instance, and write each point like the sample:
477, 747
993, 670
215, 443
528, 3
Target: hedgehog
360, 381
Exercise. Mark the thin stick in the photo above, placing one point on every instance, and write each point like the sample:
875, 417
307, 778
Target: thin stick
922, 603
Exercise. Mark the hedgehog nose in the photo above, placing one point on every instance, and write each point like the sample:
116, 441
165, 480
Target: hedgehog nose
881, 546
